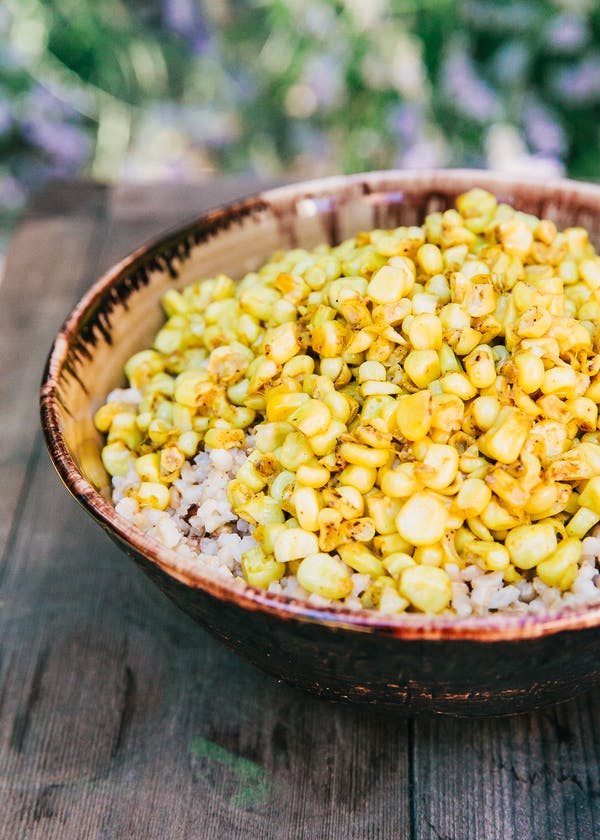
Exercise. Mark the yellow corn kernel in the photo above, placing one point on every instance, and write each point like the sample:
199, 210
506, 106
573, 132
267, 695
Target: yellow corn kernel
148, 467
425, 332
295, 450
311, 418
360, 530
383, 511
590, 495
259, 570
371, 371
386, 544
494, 557
307, 507
189, 442
422, 520
340, 406
282, 343
473, 497
294, 544
422, 366
581, 522
142, 366
281, 485
330, 338
561, 381
458, 384
280, 406
330, 523
312, 475
224, 439
362, 456
414, 415
441, 462
584, 411
528, 545
429, 259
325, 442
448, 412
485, 411
392, 282
560, 569
117, 458
589, 271
362, 478
396, 563
505, 439
400, 482
152, 494
429, 555
359, 558
480, 367
428, 588
270, 436
324, 575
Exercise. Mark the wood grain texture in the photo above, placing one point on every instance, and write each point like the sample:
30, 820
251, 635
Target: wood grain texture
119, 718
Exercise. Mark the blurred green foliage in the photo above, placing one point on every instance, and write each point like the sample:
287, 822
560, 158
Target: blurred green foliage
177, 88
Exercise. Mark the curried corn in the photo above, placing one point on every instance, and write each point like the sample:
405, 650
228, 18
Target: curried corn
421, 399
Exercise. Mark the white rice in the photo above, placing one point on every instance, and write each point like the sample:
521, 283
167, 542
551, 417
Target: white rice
201, 528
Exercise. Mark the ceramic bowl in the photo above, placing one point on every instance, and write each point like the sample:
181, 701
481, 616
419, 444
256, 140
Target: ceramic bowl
477, 666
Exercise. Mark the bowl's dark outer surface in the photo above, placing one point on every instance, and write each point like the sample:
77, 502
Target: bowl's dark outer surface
470, 667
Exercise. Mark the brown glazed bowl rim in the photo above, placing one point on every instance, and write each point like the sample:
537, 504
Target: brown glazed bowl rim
492, 628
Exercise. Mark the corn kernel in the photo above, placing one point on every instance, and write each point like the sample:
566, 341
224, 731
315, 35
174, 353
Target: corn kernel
528, 545
323, 575
426, 587
422, 519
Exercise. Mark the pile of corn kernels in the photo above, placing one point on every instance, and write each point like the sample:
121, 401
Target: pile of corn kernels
418, 397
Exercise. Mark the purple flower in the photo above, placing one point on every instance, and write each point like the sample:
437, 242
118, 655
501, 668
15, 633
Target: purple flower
66, 144
579, 84
544, 133
566, 33
470, 94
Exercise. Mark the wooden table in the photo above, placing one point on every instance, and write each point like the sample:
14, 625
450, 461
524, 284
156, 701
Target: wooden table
120, 718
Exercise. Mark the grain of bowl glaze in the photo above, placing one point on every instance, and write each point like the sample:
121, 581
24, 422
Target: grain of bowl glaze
497, 665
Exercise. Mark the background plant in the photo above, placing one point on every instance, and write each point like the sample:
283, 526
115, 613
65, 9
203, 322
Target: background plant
179, 88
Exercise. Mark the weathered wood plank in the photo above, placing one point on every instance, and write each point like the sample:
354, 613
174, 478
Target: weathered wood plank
120, 718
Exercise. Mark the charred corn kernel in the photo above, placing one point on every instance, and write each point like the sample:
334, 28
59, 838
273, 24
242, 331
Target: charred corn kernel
422, 519
282, 343
224, 439
294, 544
429, 259
428, 588
330, 523
422, 366
505, 439
429, 555
425, 332
171, 462
359, 558
324, 575
347, 500
581, 522
392, 282
560, 569
528, 545
414, 415
362, 456
311, 418
152, 494
360, 477
329, 338
360, 530
458, 384
281, 484
312, 475
480, 367
259, 570
442, 466
307, 507
326, 441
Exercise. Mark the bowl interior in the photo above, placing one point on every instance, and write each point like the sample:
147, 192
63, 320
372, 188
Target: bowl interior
120, 314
